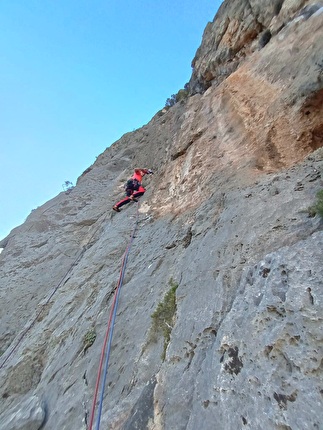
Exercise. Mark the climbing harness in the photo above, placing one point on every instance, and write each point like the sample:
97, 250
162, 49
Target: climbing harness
61, 282
106, 348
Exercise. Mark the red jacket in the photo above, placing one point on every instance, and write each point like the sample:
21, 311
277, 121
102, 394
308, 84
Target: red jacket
139, 173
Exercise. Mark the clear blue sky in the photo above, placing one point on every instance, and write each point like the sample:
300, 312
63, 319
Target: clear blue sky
75, 75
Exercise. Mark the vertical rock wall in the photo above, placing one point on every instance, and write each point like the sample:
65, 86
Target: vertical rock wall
227, 220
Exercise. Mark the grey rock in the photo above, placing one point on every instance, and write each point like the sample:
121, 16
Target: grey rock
143, 410
236, 31
226, 217
259, 339
28, 414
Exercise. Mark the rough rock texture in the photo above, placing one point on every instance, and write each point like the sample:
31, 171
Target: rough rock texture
26, 415
238, 29
226, 218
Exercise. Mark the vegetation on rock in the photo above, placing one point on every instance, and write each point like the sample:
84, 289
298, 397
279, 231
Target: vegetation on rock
175, 98
317, 208
89, 339
163, 317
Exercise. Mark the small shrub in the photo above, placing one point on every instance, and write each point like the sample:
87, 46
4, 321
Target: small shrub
317, 208
171, 101
175, 98
181, 95
89, 339
163, 317
319, 203
67, 186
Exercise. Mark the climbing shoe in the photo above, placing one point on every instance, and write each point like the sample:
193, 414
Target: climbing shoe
115, 208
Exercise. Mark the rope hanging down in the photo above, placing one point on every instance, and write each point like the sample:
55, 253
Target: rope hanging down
61, 282
106, 348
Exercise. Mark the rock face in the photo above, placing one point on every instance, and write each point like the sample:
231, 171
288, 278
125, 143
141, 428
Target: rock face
26, 415
239, 29
225, 221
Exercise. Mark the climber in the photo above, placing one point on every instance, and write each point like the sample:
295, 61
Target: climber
133, 188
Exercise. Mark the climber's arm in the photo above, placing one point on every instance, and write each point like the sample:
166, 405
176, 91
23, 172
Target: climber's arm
143, 172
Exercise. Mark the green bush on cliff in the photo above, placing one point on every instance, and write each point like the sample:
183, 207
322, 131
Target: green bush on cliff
319, 203
163, 317
89, 339
317, 208
175, 98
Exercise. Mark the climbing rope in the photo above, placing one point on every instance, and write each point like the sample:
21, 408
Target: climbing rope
106, 348
33, 322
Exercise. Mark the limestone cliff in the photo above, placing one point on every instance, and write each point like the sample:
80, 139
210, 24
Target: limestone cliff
225, 221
